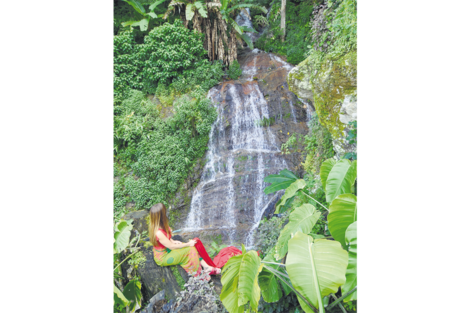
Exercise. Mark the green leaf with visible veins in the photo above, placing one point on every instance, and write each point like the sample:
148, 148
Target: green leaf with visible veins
301, 219
290, 192
351, 272
316, 269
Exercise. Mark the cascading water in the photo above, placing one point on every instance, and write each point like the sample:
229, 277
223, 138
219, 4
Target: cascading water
244, 148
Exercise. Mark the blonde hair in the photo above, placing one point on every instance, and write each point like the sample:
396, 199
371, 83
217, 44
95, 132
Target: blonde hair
158, 220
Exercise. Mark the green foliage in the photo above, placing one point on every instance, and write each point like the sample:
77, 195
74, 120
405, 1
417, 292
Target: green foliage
279, 181
319, 146
216, 246
301, 219
265, 122
341, 179
179, 279
316, 269
290, 192
133, 294
351, 272
268, 233
169, 51
137, 259
240, 282
298, 38
343, 212
143, 23
234, 70
122, 235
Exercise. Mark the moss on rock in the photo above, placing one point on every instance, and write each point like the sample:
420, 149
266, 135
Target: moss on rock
326, 81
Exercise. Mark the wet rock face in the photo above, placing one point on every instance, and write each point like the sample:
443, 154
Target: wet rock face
256, 115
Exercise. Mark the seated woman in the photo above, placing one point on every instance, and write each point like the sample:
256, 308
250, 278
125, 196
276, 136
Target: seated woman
167, 251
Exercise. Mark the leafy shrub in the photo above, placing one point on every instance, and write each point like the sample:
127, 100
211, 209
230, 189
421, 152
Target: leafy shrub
319, 146
268, 232
167, 52
127, 66
234, 70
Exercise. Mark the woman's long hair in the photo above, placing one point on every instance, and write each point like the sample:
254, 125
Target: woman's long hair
158, 220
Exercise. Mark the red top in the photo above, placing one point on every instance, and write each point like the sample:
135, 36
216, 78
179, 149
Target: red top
159, 246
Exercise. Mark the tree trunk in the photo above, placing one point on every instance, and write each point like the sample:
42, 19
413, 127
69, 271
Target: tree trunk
283, 19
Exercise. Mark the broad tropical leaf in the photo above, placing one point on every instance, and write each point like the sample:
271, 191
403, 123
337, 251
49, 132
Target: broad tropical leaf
279, 182
290, 192
132, 292
351, 272
343, 212
316, 269
240, 282
190, 11
122, 236
248, 288
136, 5
288, 173
154, 5
143, 23
301, 219
268, 282
340, 179
128, 23
325, 171
229, 293
237, 27
153, 15
275, 178
278, 186
120, 297
287, 205
201, 7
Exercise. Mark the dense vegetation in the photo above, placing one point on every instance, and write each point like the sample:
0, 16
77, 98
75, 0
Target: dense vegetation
167, 55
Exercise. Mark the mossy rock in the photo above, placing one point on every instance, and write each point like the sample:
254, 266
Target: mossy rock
326, 81
331, 84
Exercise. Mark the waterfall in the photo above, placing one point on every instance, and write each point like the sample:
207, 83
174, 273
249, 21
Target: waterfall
244, 148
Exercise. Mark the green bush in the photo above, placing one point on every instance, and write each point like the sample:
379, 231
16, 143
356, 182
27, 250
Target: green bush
167, 52
234, 70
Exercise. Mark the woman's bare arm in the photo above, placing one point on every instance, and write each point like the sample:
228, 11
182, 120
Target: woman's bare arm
171, 245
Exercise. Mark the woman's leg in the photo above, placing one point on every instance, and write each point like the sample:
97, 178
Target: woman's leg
187, 257
208, 268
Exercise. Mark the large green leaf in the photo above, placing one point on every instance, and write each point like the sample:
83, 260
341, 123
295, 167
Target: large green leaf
268, 282
316, 269
351, 272
154, 5
190, 11
229, 293
132, 292
240, 282
278, 186
340, 179
143, 24
343, 212
276, 178
248, 288
201, 8
301, 219
122, 236
287, 173
290, 192
325, 171
279, 181
119, 297
153, 15
136, 5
